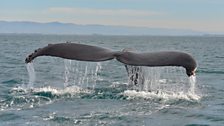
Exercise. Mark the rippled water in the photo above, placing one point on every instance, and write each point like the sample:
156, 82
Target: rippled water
65, 92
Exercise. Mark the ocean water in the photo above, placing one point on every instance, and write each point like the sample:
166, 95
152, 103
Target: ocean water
55, 91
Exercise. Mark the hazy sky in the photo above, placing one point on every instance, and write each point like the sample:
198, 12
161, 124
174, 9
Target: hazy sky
201, 15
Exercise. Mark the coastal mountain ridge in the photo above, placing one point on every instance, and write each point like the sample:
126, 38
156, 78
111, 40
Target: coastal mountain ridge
29, 27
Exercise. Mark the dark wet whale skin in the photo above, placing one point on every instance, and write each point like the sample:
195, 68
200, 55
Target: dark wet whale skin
83, 52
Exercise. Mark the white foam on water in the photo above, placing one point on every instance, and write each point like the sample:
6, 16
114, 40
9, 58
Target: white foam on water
72, 90
132, 94
24, 97
31, 73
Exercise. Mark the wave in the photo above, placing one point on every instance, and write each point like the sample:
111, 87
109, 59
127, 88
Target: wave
52, 92
23, 98
211, 71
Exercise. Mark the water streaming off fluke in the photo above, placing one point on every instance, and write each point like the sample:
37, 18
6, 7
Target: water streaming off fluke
163, 82
31, 73
192, 82
82, 74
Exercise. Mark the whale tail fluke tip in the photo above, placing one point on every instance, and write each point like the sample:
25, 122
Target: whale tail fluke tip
28, 59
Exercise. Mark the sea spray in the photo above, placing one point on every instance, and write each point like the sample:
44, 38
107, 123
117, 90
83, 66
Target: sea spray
82, 74
164, 82
67, 64
95, 74
31, 73
192, 82
167, 79
192, 89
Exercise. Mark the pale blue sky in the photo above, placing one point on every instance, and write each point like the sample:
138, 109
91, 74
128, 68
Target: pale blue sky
200, 15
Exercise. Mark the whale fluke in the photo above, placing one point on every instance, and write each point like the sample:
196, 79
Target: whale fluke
166, 58
83, 52
73, 51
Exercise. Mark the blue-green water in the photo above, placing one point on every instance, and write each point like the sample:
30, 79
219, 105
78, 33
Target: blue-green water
79, 93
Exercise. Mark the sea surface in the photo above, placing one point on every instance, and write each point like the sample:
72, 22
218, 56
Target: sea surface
53, 91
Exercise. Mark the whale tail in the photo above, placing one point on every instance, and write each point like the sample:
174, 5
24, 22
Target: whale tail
83, 52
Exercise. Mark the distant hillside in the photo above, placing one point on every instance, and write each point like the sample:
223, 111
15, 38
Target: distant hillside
69, 28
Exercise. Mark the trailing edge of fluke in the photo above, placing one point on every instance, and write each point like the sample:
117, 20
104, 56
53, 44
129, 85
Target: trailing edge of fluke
84, 52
